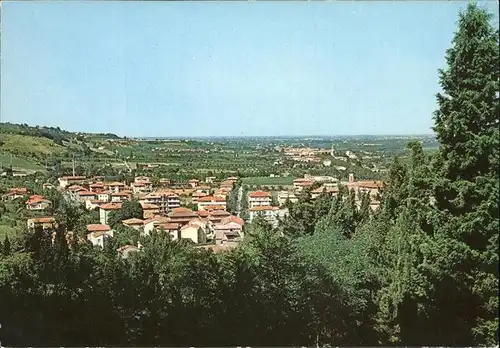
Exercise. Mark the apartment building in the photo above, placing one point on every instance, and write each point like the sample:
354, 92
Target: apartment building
259, 198
208, 201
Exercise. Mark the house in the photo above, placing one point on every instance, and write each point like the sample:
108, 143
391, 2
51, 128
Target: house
166, 200
203, 213
16, 192
196, 196
227, 185
300, 184
268, 213
142, 187
283, 196
116, 186
152, 223
373, 187
83, 196
47, 222
48, 186
202, 189
92, 204
332, 191
66, 181
234, 219
181, 216
74, 189
37, 203
126, 250
211, 201
193, 182
96, 187
217, 216
138, 179
229, 234
327, 163
322, 179
210, 179
136, 224
171, 228
375, 205
150, 210
106, 209
99, 178
98, 233
259, 198
164, 182
104, 197
120, 196
193, 232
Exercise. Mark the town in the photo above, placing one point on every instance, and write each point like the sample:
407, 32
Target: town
194, 210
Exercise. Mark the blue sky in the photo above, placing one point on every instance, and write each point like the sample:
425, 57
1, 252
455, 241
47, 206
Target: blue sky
213, 69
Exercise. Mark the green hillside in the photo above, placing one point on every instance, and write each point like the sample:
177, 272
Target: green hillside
26, 146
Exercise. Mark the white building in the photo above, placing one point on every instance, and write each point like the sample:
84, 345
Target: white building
259, 198
66, 181
284, 195
268, 213
106, 209
211, 201
98, 233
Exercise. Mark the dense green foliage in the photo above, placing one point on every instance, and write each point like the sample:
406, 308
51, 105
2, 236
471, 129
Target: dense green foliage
422, 270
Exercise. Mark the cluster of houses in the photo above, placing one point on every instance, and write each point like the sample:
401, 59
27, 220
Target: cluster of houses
331, 186
208, 224
219, 227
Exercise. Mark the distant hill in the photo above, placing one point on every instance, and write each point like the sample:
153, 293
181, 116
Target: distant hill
31, 145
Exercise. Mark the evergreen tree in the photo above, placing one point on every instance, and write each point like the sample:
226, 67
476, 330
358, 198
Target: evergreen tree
467, 188
6, 246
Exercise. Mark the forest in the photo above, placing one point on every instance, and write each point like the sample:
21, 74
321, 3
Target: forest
420, 271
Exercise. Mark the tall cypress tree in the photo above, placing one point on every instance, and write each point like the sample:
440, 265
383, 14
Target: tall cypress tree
467, 188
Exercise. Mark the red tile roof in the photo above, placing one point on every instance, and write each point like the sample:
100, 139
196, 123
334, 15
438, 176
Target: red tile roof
369, 184
219, 213
260, 194
37, 200
42, 220
158, 219
202, 213
111, 206
98, 184
86, 193
98, 228
75, 188
301, 180
262, 208
73, 177
116, 184
147, 206
169, 226
133, 221
181, 213
211, 199
234, 219
117, 194
19, 190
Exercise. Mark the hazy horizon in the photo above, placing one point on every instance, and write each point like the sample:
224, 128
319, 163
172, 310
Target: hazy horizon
209, 69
